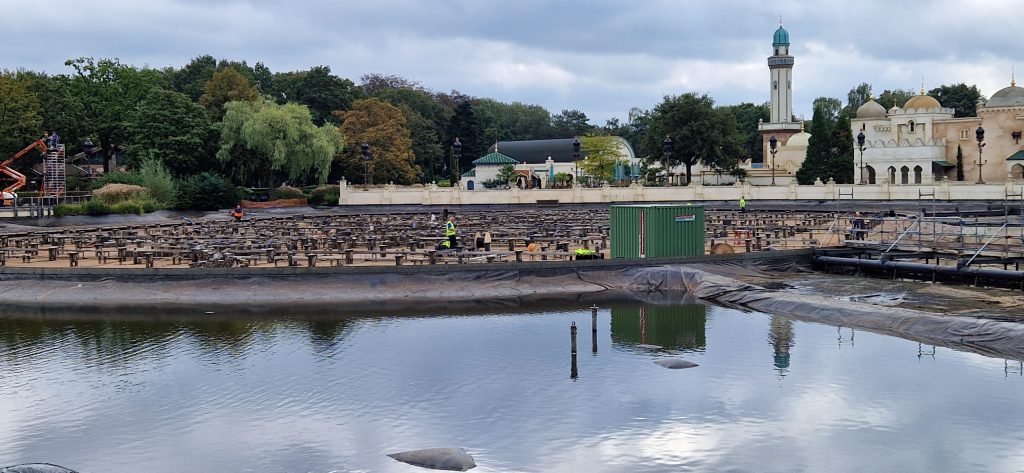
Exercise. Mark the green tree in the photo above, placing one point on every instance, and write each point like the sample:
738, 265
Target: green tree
171, 129
840, 163
960, 97
569, 123
959, 163
325, 93
381, 126
466, 126
429, 155
898, 97
258, 138
747, 116
227, 85
700, 134
856, 97
191, 79
819, 150
20, 120
600, 155
506, 173
831, 108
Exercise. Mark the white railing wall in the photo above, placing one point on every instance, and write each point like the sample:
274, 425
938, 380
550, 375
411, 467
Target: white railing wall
433, 195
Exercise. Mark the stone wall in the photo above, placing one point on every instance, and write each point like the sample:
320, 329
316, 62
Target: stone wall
433, 195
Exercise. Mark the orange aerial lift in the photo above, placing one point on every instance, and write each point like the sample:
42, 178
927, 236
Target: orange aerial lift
19, 178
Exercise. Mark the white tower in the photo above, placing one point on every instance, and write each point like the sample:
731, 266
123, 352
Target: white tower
780, 66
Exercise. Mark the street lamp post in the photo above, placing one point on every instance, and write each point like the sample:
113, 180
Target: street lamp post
861, 147
980, 135
365, 150
773, 145
457, 147
576, 158
667, 145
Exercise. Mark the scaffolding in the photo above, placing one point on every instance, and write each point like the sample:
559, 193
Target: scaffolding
54, 172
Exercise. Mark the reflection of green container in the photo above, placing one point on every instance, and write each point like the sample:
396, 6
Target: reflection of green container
657, 231
669, 326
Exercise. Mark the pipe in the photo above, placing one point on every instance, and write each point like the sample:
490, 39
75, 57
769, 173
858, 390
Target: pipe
986, 273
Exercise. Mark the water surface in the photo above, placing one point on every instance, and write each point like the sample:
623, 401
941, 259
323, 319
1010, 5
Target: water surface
319, 393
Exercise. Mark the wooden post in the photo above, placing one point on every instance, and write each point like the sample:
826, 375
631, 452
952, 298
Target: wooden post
593, 329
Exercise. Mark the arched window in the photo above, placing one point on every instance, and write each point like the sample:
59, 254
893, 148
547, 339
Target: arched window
871, 174
917, 174
776, 51
965, 134
1017, 171
892, 175
911, 126
775, 84
469, 185
904, 175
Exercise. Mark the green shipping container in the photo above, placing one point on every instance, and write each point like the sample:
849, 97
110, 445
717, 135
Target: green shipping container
657, 231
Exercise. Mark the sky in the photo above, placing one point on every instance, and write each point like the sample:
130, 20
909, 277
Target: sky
603, 57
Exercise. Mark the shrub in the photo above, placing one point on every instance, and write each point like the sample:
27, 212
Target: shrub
325, 195
206, 191
113, 193
287, 192
97, 207
117, 178
64, 210
158, 181
127, 207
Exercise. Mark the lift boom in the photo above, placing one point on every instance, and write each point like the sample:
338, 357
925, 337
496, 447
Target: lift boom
19, 178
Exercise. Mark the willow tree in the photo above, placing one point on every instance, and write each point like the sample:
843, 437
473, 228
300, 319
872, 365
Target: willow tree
260, 138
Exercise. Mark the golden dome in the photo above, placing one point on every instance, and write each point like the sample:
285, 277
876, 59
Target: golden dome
922, 101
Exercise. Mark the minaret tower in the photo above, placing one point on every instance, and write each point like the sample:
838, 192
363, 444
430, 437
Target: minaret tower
780, 67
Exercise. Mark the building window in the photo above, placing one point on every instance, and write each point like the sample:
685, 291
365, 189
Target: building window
917, 174
965, 134
911, 127
892, 175
904, 175
775, 84
776, 51
789, 84
1017, 171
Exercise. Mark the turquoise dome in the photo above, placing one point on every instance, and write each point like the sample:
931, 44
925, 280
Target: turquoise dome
781, 37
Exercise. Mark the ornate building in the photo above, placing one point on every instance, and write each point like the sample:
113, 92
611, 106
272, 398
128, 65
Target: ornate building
920, 141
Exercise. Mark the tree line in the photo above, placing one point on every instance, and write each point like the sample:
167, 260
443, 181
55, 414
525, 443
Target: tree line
259, 128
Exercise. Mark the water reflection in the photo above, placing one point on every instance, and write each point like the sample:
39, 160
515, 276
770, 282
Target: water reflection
780, 336
679, 327
324, 393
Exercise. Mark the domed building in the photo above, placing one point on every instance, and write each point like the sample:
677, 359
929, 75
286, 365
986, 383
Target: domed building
919, 142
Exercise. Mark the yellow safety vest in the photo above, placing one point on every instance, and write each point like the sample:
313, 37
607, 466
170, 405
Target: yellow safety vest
449, 228
743, 203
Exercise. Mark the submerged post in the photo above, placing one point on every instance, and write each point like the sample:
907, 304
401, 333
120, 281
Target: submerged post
593, 329
573, 370
572, 335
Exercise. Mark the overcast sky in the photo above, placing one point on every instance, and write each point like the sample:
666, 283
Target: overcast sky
600, 56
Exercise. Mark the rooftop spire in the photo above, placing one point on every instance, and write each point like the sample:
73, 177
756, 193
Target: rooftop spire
1013, 80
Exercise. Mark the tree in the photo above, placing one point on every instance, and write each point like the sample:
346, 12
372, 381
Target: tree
840, 163
959, 163
819, 150
960, 97
374, 83
893, 98
191, 79
831, 108
258, 138
601, 153
699, 133
429, 155
227, 85
381, 126
325, 94
571, 123
856, 97
171, 129
20, 120
465, 125
747, 116
506, 173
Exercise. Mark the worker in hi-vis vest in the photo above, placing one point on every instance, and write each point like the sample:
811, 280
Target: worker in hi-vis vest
450, 232
743, 204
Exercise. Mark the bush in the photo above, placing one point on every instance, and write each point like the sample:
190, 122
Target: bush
117, 178
325, 195
64, 210
158, 181
114, 193
97, 207
127, 207
287, 192
206, 191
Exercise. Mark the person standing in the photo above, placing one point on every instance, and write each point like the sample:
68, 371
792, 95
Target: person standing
451, 231
237, 213
743, 204
859, 227
54, 140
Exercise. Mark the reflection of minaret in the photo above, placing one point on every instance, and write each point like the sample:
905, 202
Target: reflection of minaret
780, 335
